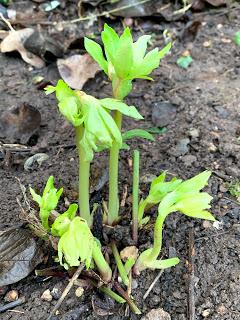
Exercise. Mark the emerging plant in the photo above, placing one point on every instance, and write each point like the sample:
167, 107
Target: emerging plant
184, 197
136, 64
95, 129
97, 124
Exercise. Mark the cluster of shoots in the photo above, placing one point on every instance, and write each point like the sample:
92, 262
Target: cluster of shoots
98, 124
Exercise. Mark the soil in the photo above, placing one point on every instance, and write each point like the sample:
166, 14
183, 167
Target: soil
206, 97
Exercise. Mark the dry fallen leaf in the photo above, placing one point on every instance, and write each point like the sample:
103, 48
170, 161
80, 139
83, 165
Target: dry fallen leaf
77, 69
129, 252
15, 42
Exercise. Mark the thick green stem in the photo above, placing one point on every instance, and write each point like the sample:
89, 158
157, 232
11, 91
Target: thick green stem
113, 165
101, 263
121, 269
84, 172
148, 256
112, 294
135, 192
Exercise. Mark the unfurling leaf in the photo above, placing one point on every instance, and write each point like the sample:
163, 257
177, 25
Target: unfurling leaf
48, 201
137, 133
95, 50
76, 244
62, 222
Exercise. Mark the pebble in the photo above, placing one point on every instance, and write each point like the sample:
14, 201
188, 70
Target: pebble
182, 147
222, 310
46, 296
134, 284
11, 296
189, 159
157, 314
193, 133
56, 293
79, 292
206, 313
212, 147
163, 113
222, 112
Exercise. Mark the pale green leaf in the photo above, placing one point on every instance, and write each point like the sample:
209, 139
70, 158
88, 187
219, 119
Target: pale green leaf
49, 90
62, 222
196, 183
137, 133
110, 40
35, 196
164, 264
113, 104
139, 49
95, 50
165, 50
124, 51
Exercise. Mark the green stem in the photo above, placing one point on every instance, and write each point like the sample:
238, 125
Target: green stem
113, 164
126, 296
120, 266
84, 172
148, 256
101, 263
136, 156
112, 294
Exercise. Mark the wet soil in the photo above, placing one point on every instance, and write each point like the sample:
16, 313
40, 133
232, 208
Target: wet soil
206, 97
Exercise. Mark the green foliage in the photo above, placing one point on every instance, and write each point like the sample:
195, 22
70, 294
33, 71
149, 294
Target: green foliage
135, 133
184, 61
234, 189
237, 38
159, 188
100, 130
76, 244
137, 64
62, 222
173, 196
48, 201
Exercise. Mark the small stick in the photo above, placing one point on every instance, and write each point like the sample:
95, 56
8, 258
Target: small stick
191, 283
13, 304
152, 285
7, 22
125, 295
135, 193
67, 289
107, 13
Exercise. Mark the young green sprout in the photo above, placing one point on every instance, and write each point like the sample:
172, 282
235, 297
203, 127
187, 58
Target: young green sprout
185, 198
136, 64
48, 201
95, 129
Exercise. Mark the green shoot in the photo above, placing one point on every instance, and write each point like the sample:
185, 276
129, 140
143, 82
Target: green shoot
122, 271
237, 38
48, 201
137, 64
187, 199
159, 188
135, 192
112, 294
95, 130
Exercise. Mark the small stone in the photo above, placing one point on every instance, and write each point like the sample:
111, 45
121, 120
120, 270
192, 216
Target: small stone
157, 314
182, 147
46, 296
134, 284
11, 296
194, 133
222, 188
163, 113
207, 224
212, 147
56, 293
222, 310
177, 294
189, 160
207, 43
79, 292
222, 112
206, 313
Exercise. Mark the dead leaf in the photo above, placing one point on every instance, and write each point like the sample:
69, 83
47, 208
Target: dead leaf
20, 123
129, 252
77, 69
15, 42
217, 3
19, 255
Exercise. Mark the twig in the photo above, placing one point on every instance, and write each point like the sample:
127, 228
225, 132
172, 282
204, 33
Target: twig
106, 13
152, 285
7, 22
125, 295
191, 283
13, 304
67, 289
